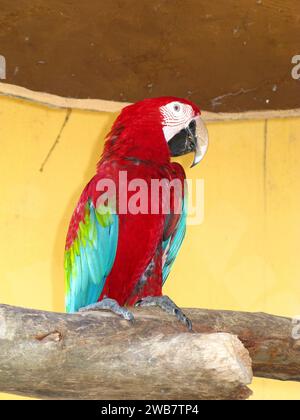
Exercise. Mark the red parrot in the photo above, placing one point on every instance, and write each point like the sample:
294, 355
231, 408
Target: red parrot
119, 249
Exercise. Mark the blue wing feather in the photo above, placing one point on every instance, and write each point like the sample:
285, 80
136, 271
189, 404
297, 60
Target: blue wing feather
171, 245
89, 260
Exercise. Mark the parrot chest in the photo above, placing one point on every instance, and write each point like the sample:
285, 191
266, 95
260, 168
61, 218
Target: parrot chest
137, 271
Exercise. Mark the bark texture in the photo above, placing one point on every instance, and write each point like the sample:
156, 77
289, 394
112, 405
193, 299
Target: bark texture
98, 355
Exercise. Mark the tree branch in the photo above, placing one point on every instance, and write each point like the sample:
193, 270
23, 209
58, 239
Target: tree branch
98, 355
269, 339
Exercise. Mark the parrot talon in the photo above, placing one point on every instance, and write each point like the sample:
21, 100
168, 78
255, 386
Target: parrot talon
166, 304
110, 305
183, 318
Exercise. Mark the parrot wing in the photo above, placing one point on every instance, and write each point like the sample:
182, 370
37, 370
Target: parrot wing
90, 255
174, 233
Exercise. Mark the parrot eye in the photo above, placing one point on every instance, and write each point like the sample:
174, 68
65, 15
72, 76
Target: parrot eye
177, 107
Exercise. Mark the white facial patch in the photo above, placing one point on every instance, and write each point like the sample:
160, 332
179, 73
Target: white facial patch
176, 116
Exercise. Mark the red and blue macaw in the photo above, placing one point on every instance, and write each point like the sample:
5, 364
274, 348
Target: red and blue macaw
116, 259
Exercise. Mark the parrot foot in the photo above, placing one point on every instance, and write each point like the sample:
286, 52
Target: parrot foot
110, 305
165, 303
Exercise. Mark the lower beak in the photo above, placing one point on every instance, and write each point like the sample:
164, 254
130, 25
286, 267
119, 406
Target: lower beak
197, 156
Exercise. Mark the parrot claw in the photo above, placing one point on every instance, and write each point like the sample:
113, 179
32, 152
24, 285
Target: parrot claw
110, 305
165, 303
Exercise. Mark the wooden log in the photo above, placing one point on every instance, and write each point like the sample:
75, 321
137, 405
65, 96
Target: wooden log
272, 341
269, 339
100, 356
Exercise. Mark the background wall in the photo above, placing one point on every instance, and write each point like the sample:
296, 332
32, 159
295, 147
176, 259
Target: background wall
245, 256
231, 55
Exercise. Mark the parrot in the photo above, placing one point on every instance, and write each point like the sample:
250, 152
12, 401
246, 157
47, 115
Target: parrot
115, 258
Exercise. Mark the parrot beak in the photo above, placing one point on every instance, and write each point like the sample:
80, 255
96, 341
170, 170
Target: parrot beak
200, 140
193, 138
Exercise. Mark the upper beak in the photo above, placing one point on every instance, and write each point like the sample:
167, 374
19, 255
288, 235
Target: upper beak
199, 139
193, 138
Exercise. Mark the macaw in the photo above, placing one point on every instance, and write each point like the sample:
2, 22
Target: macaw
116, 258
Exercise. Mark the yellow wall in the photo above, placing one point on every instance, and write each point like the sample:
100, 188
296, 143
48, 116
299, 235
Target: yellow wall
243, 257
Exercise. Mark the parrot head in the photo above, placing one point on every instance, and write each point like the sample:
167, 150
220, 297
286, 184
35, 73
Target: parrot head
183, 129
159, 128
